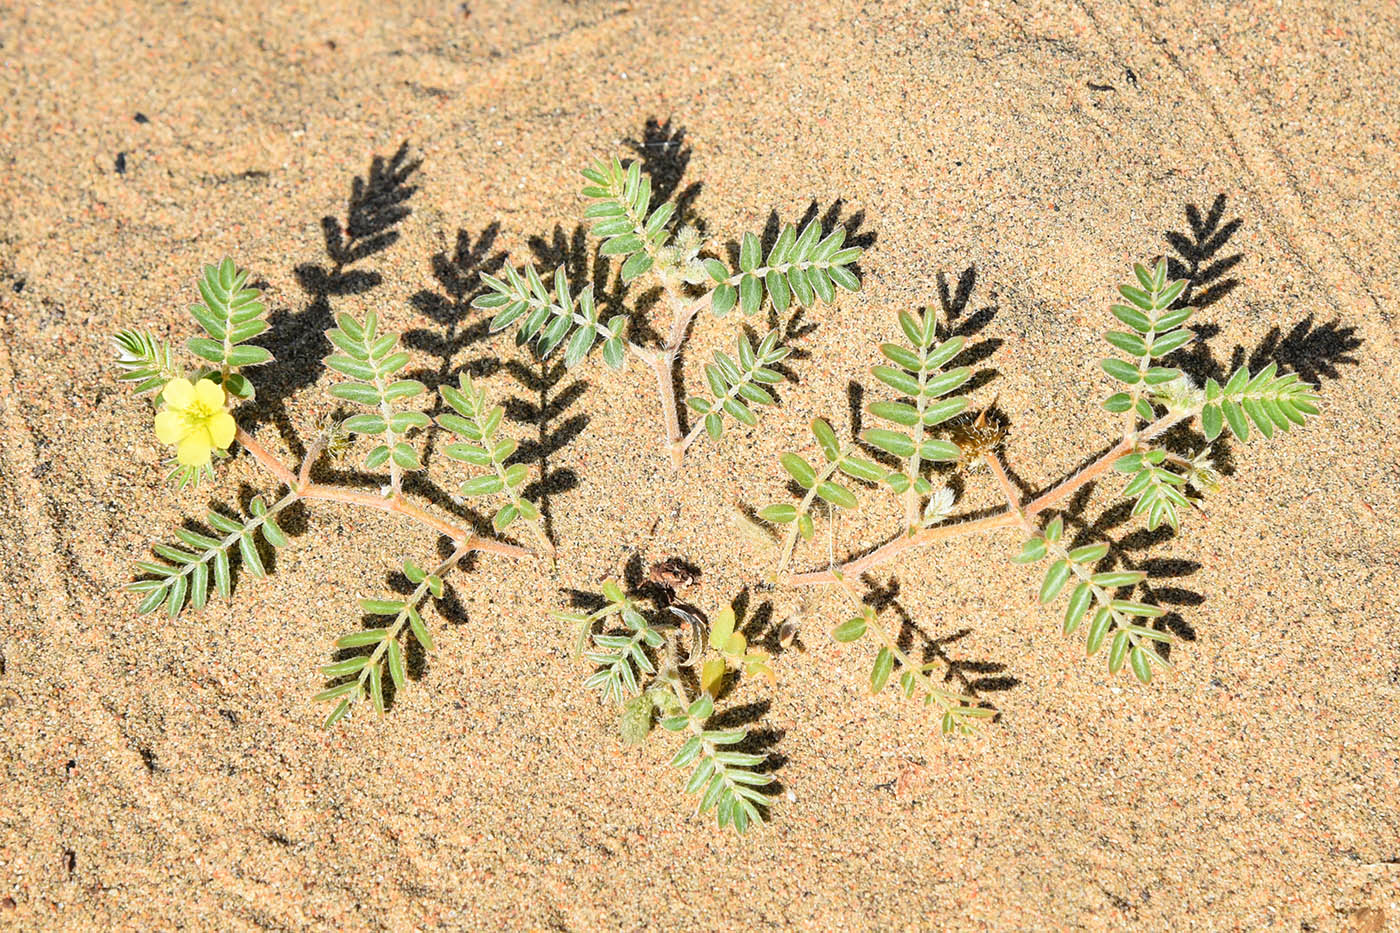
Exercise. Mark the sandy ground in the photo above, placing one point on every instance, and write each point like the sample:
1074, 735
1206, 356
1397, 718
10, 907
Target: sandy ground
162, 775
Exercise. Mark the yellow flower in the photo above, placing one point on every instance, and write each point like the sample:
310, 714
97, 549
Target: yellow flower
194, 417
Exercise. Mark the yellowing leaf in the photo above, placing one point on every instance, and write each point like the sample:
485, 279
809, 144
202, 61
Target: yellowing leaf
757, 666
712, 675
722, 629
760, 537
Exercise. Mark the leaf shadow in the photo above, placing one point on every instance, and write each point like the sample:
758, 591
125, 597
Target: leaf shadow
1123, 554
458, 275
378, 203
975, 678
1196, 253
956, 322
664, 156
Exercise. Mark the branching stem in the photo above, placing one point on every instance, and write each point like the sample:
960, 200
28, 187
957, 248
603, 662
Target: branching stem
304, 489
1013, 498
662, 362
1007, 518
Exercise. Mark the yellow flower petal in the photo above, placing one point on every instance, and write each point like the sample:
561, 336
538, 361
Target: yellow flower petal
194, 449
170, 426
210, 394
221, 430
178, 393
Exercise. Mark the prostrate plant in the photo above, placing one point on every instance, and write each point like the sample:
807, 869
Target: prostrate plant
1155, 399
194, 415
804, 266
661, 664
639, 670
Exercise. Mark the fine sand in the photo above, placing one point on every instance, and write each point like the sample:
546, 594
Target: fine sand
1015, 157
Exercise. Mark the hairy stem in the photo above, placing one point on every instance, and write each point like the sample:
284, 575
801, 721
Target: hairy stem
1006, 518
313, 453
1013, 498
463, 537
659, 361
681, 323
663, 365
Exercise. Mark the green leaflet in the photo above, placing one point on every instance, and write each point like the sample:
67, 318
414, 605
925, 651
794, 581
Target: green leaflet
737, 383
231, 314
371, 359
181, 578
476, 425
1267, 400
1155, 331
144, 361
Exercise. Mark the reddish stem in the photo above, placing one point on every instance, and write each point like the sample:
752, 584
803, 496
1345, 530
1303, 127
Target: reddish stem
464, 538
1006, 518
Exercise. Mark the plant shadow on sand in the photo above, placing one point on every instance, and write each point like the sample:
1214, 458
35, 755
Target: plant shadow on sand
665, 156
380, 201
459, 277
974, 678
297, 340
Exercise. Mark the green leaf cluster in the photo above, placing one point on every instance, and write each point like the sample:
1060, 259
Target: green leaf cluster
721, 775
145, 361
620, 219
1157, 488
819, 482
737, 384
1269, 400
620, 656
371, 359
918, 375
549, 316
1110, 619
476, 426
1155, 331
638, 671
803, 265
361, 675
732, 650
231, 315
183, 574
